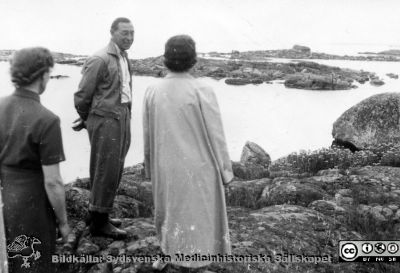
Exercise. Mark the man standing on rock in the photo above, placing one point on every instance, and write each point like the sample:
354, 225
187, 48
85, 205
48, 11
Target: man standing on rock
103, 102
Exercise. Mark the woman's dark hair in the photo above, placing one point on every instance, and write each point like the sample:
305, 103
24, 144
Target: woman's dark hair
28, 64
180, 53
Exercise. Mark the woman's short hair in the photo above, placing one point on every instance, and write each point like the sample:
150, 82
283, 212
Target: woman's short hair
28, 64
180, 53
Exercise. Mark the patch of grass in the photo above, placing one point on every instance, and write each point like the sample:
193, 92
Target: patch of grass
386, 154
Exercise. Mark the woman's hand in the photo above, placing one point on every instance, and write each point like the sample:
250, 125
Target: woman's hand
227, 187
65, 231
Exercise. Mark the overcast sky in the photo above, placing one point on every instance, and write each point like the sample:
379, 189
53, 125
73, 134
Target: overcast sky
82, 26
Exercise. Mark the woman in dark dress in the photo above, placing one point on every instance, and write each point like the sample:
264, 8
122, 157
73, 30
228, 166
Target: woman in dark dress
30, 152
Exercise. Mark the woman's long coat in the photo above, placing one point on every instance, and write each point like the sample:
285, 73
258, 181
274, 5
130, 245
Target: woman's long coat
187, 158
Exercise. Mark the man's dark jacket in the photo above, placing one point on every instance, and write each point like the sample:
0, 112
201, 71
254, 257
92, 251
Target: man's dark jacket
100, 88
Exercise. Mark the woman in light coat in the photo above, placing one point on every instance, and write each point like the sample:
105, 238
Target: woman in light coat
187, 159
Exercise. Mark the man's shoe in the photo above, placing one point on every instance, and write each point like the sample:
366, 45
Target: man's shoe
108, 230
115, 222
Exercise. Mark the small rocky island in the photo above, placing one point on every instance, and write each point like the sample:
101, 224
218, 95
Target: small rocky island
301, 75
256, 67
60, 58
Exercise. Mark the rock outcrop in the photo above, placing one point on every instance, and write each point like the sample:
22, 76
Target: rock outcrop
252, 153
279, 219
277, 212
371, 122
392, 75
304, 75
254, 162
393, 52
286, 190
239, 81
252, 67
316, 82
301, 52
272, 218
58, 76
377, 82
302, 49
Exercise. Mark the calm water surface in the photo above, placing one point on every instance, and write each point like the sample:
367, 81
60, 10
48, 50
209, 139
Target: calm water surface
280, 120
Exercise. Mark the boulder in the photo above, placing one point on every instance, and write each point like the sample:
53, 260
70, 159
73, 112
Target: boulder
254, 162
243, 81
376, 82
371, 122
316, 82
252, 153
77, 200
328, 208
385, 176
140, 228
376, 185
395, 52
378, 214
286, 190
329, 181
71, 61
249, 172
343, 201
246, 193
140, 191
235, 54
361, 79
58, 76
143, 246
302, 49
392, 75
87, 247
127, 207
329, 176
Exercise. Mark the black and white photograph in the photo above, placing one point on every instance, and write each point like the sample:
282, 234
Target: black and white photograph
219, 136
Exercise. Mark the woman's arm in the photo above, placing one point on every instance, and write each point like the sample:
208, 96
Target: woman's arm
215, 131
146, 137
55, 192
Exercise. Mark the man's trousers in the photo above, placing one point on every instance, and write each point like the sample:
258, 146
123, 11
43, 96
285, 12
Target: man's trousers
110, 140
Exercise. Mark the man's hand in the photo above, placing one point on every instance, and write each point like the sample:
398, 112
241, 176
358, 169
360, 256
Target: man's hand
78, 124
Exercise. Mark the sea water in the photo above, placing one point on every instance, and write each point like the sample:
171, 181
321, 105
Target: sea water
279, 119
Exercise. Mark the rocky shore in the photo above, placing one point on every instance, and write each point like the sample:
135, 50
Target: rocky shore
298, 206
304, 52
300, 75
255, 67
61, 58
